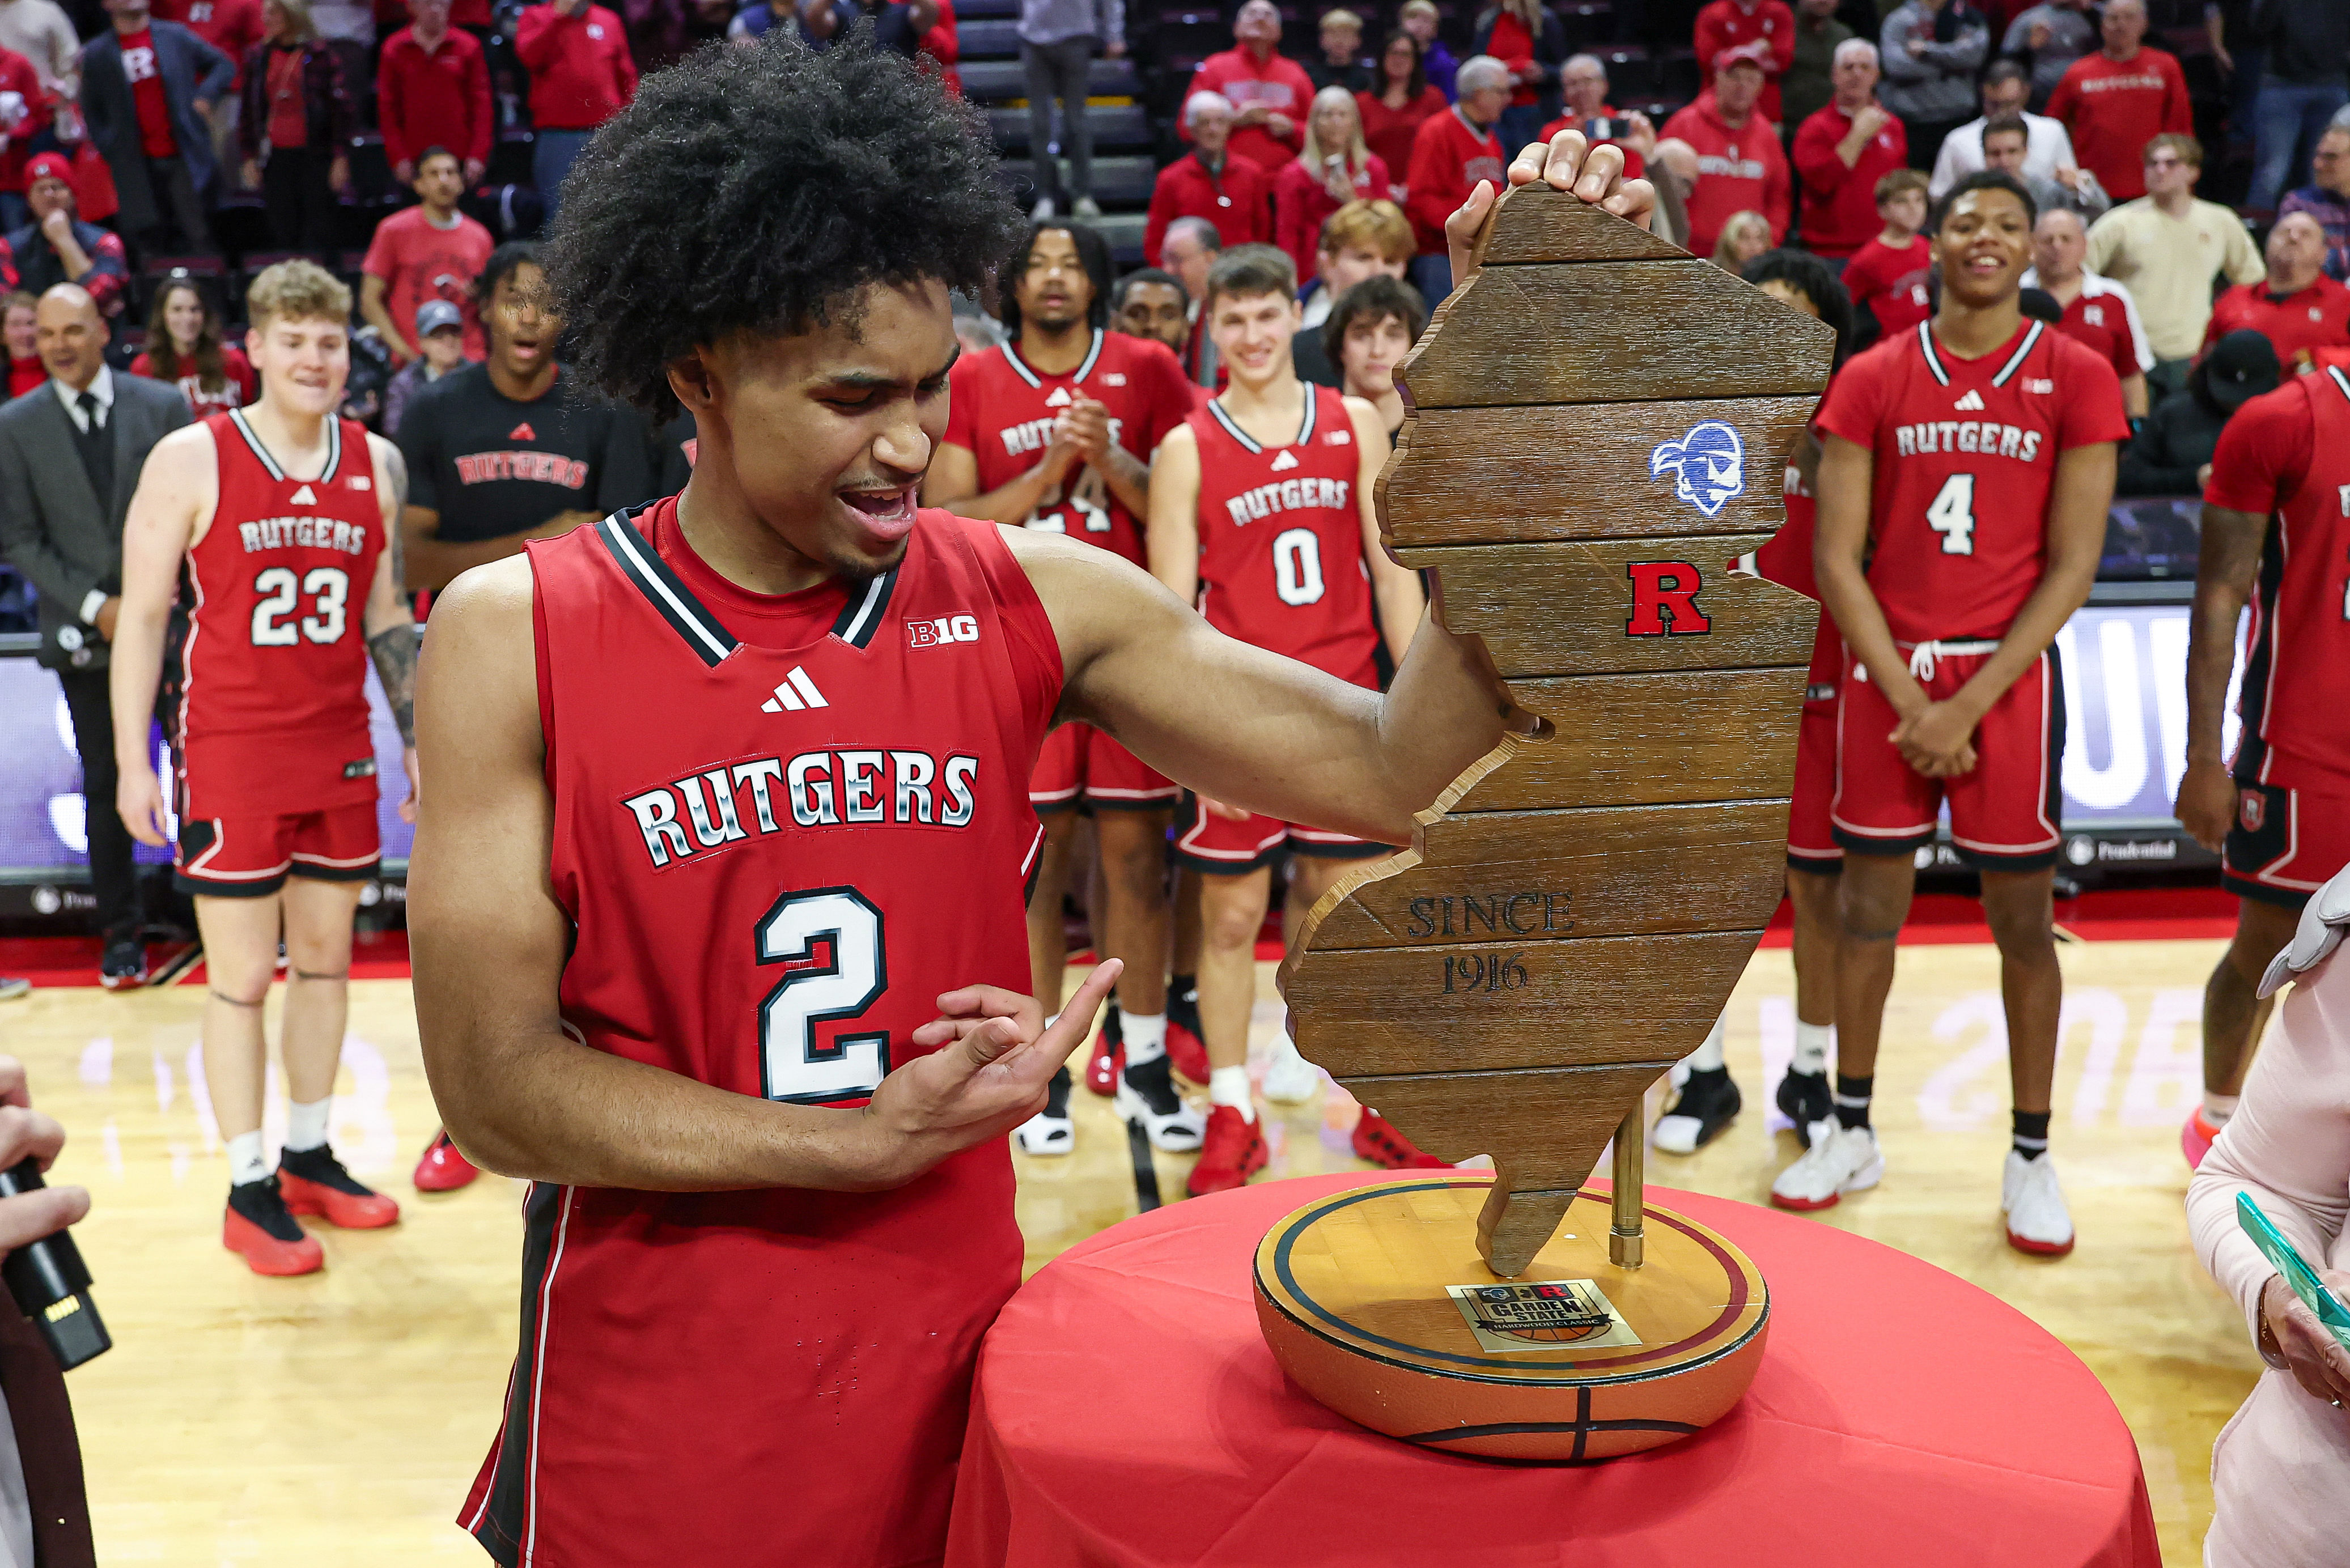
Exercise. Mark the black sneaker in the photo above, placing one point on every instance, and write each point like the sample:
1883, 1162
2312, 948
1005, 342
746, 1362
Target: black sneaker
260, 1229
1803, 1099
1147, 1096
1709, 1099
1183, 1003
1051, 1130
124, 965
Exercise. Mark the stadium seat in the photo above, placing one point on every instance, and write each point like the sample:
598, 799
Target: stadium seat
1118, 181
995, 40
988, 82
1630, 72
1587, 22
1120, 128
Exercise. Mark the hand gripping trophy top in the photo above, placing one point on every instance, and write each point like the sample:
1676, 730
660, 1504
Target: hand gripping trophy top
1599, 425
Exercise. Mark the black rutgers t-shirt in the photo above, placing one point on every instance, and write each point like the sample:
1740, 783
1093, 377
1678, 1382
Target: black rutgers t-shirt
491, 466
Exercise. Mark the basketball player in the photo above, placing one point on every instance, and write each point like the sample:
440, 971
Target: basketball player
718, 910
1708, 1098
2276, 526
1971, 461
282, 513
1261, 509
1054, 431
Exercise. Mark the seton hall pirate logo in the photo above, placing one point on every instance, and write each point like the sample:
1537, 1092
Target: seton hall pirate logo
1708, 466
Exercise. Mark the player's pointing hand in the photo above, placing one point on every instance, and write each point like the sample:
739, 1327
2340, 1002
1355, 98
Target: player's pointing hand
989, 1074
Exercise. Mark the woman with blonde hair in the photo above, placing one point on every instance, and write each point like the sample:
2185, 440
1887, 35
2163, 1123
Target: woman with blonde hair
295, 123
1745, 237
1335, 167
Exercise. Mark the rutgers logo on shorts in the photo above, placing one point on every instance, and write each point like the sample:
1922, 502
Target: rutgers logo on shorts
2251, 809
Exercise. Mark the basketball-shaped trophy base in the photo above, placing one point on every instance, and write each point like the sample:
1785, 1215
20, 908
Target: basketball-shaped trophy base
1358, 1297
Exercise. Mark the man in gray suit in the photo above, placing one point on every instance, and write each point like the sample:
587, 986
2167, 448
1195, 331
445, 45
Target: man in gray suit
70, 452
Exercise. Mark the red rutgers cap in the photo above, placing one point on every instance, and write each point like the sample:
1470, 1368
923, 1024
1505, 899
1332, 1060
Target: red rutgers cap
1753, 52
49, 166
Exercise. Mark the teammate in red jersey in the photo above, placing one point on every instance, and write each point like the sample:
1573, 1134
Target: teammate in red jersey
1261, 509
762, 1076
1054, 431
2276, 528
1708, 1098
1971, 461
282, 513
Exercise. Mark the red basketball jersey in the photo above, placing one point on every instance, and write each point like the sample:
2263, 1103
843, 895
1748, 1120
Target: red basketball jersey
2287, 452
1966, 454
273, 708
1280, 539
1002, 413
783, 826
1785, 558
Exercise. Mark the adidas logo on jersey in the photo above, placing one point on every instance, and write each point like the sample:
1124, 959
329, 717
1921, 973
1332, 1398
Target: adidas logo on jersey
1059, 400
1971, 403
1287, 460
725, 804
795, 693
945, 630
522, 433
305, 496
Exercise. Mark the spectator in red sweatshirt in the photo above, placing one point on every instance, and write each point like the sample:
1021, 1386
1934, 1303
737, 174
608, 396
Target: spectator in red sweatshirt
2296, 307
2115, 101
24, 109
1724, 147
1268, 92
1453, 152
580, 76
1211, 183
1583, 80
21, 330
1726, 24
433, 89
1842, 151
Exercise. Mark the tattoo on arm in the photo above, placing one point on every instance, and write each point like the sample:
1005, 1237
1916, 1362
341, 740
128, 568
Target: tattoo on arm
395, 471
394, 651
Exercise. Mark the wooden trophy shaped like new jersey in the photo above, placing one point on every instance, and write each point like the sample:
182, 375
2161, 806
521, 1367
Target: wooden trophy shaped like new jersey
1599, 425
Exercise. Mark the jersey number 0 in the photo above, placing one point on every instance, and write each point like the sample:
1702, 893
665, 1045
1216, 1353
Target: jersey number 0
796, 1062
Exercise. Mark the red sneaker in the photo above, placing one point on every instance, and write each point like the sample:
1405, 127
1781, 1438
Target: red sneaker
1376, 1140
2195, 1139
1102, 1069
315, 1182
444, 1167
1232, 1151
259, 1228
1186, 1053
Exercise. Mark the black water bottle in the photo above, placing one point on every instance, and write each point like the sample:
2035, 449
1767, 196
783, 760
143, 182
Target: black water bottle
50, 1282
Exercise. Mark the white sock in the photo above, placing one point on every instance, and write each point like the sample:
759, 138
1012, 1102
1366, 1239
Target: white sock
1706, 1058
305, 1125
1230, 1086
246, 1162
1145, 1037
1815, 1043
2217, 1108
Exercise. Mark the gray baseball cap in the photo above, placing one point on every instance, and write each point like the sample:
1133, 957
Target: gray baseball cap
435, 314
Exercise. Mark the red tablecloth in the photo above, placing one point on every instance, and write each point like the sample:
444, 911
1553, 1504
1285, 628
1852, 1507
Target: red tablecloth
1127, 1413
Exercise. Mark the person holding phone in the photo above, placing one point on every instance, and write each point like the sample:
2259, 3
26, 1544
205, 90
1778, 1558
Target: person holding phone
2281, 1469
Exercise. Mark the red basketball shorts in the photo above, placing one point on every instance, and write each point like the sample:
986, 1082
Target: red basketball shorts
250, 857
1229, 846
2004, 815
1079, 764
1811, 839
2286, 843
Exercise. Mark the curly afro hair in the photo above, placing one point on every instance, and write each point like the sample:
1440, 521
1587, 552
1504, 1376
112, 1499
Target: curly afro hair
762, 190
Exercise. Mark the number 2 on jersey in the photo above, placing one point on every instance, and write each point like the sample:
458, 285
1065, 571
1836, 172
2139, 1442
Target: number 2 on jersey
1953, 514
275, 585
795, 1063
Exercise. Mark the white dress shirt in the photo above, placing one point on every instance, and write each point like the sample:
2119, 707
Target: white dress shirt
2048, 149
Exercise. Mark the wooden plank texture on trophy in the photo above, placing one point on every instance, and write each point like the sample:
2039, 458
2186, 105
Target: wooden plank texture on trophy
1599, 424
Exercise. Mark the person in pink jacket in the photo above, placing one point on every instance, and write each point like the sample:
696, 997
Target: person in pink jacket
2280, 1467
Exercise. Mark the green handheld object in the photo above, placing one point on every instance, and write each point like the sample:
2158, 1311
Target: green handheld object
2296, 1270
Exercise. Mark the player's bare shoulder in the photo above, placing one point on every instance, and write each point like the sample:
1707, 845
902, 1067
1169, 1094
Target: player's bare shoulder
1093, 597
180, 482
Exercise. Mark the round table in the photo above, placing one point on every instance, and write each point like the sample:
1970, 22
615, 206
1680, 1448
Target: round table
1127, 1412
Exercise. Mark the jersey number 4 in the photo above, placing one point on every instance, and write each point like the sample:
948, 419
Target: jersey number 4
828, 940
1953, 514
274, 622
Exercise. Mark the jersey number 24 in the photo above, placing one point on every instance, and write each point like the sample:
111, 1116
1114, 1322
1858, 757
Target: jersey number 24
796, 1062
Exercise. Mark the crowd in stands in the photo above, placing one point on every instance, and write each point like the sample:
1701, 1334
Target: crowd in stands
158, 151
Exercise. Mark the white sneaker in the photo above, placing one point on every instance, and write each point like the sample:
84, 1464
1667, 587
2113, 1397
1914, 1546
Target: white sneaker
1289, 1079
1846, 1160
1042, 210
2037, 1220
1088, 207
1147, 1094
1046, 1133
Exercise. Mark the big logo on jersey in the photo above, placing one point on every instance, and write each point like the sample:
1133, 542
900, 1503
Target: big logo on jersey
1708, 466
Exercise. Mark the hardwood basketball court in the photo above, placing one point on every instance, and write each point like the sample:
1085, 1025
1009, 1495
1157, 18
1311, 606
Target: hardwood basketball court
339, 1418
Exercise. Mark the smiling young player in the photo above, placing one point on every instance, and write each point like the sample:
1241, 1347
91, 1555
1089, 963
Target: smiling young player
717, 903
1969, 462
282, 513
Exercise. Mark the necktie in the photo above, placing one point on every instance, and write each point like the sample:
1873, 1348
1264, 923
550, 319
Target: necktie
93, 412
